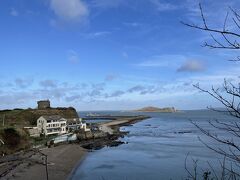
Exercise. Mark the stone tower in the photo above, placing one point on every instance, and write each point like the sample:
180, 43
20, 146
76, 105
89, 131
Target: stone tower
44, 104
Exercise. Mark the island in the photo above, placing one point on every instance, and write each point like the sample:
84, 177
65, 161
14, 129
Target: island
156, 109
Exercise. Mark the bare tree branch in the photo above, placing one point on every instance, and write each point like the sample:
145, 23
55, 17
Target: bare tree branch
228, 95
230, 38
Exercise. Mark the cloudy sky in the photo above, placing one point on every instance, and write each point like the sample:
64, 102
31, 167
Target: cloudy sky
110, 54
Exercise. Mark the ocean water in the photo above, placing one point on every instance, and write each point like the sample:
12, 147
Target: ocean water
93, 121
156, 148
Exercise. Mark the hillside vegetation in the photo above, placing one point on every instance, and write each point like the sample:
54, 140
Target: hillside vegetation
14, 140
13, 135
28, 117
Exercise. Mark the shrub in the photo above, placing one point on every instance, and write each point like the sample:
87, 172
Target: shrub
11, 137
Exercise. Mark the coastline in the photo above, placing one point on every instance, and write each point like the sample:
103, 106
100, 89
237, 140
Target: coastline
64, 159
61, 160
74, 169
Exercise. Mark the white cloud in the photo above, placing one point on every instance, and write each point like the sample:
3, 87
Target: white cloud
125, 54
107, 3
191, 66
110, 77
70, 10
158, 63
115, 94
96, 34
101, 33
162, 61
162, 6
48, 83
73, 98
132, 24
53, 22
143, 90
13, 12
23, 83
73, 56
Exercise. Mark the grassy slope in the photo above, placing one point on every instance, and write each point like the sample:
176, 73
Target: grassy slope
28, 117
19, 118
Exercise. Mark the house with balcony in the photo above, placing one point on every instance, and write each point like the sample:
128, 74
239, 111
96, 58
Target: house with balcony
54, 124
74, 124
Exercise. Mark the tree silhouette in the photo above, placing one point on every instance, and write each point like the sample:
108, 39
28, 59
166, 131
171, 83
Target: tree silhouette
228, 95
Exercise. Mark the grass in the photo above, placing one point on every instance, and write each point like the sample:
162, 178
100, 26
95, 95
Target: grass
28, 117
16, 118
14, 139
12, 130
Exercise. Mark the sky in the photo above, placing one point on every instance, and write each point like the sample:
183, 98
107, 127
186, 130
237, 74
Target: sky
111, 54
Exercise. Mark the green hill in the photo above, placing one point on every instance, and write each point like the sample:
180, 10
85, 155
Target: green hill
28, 117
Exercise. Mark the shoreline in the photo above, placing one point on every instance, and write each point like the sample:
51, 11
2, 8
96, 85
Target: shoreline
74, 169
63, 159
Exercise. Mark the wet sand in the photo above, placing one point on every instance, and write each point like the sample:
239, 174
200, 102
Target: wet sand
61, 160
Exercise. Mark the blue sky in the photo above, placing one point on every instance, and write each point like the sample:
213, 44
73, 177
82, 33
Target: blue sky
110, 54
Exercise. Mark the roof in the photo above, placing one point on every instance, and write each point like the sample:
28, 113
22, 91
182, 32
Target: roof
53, 117
73, 120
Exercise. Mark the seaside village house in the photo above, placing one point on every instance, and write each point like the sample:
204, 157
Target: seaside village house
54, 124
76, 124
49, 125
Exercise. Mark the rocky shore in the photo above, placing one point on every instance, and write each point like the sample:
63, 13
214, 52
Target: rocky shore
58, 162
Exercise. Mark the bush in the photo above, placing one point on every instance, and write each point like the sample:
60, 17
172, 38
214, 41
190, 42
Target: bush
29, 116
14, 139
11, 137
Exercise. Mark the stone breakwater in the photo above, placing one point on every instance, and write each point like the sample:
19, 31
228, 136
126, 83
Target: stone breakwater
108, 133
62, 159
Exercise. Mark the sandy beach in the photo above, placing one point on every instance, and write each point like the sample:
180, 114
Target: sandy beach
61, 160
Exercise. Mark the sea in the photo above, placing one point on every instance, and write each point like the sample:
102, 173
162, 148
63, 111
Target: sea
163, 147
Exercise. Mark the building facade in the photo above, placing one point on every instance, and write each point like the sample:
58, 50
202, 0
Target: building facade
49, 125
33, 131
76, 124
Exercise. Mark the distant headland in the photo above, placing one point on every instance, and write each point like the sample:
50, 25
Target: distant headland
157, 109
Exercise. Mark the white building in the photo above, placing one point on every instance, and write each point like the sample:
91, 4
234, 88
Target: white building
76, 124
33, 131
48, 125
